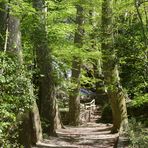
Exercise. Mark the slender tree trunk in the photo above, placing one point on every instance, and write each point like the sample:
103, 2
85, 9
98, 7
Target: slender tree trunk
3, 18
142, 24
143, 30
110, 70
74, 102
47, 98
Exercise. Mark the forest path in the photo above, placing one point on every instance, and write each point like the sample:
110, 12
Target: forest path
91, 135
88, 135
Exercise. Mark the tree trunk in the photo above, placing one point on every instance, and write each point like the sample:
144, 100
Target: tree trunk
74, 102
31, 131
3, 18
31, 120
110, 70
47, 98
36, 124
97, 66
14, 37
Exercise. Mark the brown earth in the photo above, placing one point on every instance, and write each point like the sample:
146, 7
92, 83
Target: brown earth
88, 135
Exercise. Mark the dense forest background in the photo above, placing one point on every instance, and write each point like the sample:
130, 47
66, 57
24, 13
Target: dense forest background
53, 50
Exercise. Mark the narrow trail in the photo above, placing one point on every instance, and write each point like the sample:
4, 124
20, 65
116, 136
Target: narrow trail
88, 135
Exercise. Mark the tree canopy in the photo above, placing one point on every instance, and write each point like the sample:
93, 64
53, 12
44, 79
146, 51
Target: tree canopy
51, 50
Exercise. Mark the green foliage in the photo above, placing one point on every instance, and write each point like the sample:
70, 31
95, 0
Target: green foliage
15, 98
140, 100
131, 47
60, 27
106, 115
21, 8
138, 134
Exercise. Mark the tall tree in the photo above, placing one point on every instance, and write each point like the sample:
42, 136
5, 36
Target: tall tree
47, 94
97, 63
74, 102
31, 127
110, 70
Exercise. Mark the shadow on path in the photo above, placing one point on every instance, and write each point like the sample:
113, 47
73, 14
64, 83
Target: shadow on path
92, 135
88, 135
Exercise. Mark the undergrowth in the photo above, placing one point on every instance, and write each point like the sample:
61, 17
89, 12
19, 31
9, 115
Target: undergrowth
138, 134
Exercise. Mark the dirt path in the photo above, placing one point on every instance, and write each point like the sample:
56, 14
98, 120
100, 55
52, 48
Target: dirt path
92, 135
89, 135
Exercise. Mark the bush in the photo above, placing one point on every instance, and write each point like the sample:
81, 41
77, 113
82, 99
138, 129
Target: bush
106, 116
138, 134
15, 98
